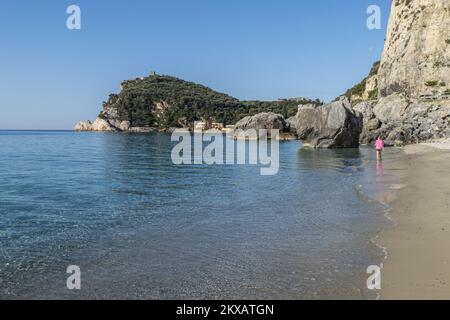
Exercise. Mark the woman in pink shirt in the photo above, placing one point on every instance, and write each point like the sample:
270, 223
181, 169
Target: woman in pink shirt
379, 146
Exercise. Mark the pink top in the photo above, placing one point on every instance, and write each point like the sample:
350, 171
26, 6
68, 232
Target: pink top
379, 144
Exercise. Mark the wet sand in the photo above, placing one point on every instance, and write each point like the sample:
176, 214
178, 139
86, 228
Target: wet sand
418, 262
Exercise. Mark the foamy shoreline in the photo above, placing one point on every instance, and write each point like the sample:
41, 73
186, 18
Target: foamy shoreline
418, 261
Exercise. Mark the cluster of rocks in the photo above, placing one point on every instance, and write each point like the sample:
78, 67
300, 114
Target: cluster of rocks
102, 125
108, 121
397, 119
333, 125
98, 125
400, 120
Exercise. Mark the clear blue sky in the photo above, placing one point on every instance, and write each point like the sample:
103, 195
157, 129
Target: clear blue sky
52, 77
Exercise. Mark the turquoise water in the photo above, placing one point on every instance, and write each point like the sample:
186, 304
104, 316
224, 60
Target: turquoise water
140, 227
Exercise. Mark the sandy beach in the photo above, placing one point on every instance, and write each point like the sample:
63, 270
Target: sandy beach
418, 262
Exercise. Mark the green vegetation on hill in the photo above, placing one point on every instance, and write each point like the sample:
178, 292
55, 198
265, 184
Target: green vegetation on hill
164, 101
358, 90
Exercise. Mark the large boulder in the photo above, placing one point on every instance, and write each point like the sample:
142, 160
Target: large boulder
391, 108
83, 126
370, 122
111, 117
102, 125
125, 126
265, 120
99, 124
247, 126
333, 125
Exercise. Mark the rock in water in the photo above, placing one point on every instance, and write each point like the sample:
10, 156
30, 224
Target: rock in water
102, 125
265, 120
333, 125
83, 126
98, 125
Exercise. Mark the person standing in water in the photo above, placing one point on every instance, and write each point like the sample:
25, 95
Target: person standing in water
379, 146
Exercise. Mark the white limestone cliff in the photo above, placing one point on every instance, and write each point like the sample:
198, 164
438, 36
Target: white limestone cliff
416, 56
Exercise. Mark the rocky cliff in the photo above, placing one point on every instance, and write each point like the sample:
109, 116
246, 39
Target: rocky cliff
416, 56
412, 81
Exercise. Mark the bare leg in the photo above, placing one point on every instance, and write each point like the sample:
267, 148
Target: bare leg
379, 155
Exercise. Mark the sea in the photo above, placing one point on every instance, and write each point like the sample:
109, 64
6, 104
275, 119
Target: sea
138, 226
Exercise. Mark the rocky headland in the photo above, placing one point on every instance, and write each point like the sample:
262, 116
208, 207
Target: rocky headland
162, 103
